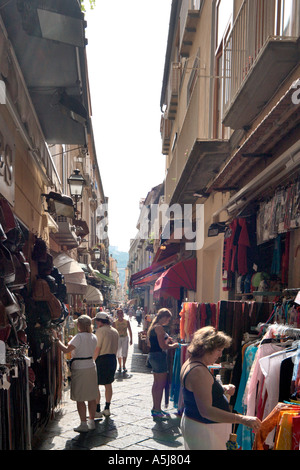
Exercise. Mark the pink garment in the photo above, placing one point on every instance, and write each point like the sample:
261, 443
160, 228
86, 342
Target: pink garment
255, 381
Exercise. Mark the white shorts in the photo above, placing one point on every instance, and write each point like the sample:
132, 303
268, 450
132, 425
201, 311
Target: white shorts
201, 436
123, 346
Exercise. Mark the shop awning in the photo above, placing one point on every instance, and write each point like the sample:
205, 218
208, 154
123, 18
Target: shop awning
182, 274
93, 295
147, 280
74, 275
100, 276
147, 275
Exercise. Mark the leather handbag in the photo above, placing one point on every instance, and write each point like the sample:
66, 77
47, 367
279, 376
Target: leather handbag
22, 270
3, 316
7, 218
41, 292
9, 300
7, 269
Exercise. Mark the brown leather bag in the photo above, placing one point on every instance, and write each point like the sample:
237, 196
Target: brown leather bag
42, 293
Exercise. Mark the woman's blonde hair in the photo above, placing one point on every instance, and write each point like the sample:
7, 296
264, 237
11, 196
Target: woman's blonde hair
207, 340
163, 312
84, 324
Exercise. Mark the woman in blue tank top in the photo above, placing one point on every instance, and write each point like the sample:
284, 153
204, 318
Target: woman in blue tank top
207, 420
159, 342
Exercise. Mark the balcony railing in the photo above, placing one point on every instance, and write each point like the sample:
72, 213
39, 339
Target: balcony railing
258, 22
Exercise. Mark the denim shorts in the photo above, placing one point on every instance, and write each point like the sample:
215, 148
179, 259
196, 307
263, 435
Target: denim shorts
158, 361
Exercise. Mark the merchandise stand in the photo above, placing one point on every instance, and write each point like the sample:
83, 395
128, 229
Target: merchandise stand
262, 363
32, 299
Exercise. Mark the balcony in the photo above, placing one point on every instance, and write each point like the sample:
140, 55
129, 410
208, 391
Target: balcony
165, 131
66, 235
189, 16
173, 91
52, 34
195, 158
258, 57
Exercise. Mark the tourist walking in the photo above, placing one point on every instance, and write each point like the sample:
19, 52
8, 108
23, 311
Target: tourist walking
84, 387
105, 357
207, 420
138, 315
123, 328
159, 342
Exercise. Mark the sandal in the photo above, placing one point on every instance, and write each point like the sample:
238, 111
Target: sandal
159, 414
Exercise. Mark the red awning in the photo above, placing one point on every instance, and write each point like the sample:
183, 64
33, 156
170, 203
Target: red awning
140, 274
156, 267
182, 274
147, 280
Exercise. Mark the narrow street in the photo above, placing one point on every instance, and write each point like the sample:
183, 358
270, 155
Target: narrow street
130, 426
205, 241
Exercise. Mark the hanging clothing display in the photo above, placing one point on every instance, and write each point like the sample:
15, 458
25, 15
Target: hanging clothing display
279, 214
239, 249
283, 421
266, 363
270, 369
233, 317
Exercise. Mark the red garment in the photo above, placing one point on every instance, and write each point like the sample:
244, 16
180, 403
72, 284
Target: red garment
296, 433
203, 315
228, 247
243, 245
213, 315
235, 236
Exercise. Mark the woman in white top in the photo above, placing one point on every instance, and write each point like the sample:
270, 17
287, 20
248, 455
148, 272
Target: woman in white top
84, 386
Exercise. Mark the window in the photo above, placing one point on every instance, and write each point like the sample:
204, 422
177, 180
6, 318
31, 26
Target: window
286, 17
224, 14
224, 17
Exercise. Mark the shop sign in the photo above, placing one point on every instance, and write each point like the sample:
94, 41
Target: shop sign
7, 163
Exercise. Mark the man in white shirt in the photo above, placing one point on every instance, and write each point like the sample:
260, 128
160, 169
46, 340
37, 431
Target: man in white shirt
105, 358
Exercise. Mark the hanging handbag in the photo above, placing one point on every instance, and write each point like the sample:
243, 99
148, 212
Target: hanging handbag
22, 271
7, 219
42, 293
7, 269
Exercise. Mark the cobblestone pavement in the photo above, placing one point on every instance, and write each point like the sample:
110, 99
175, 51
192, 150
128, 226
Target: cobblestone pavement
130, 425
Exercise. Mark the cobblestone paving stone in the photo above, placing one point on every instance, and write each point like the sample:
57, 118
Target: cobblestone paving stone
130, 425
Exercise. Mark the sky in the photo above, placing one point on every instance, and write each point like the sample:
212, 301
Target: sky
126, 51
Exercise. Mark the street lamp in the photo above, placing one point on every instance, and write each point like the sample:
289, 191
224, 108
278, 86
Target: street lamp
76, 182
